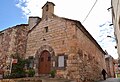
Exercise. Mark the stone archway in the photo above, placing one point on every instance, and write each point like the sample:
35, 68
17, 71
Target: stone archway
44, 50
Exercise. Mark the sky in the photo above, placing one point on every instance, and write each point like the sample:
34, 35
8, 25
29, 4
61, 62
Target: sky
14, 12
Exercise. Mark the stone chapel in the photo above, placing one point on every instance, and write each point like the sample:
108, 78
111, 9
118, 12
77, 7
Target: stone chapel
55, 43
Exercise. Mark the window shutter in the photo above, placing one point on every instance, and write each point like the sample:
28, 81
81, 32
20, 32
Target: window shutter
56, 61
65, 60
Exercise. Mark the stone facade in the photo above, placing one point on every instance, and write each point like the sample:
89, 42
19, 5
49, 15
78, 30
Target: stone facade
115, 7
71, 50
117, 69
110, 65
12, 40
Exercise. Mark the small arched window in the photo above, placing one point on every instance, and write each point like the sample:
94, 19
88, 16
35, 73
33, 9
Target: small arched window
46, 29
46, 7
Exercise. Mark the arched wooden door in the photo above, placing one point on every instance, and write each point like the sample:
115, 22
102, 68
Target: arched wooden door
44, 62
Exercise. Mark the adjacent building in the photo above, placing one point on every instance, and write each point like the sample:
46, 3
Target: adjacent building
110, 65
117, 69
115, 5
55, 43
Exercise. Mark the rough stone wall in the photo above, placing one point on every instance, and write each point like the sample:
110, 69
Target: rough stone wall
85, 59
21, 40
110, 66
116, 23
56, 36
86, 63
13, 40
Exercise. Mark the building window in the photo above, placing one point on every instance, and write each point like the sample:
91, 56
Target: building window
46, 29
46, 7
61, 60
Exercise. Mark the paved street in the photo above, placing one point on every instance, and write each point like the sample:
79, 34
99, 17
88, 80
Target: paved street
112, 80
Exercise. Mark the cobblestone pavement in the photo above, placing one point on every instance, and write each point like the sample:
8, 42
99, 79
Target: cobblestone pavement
112, 80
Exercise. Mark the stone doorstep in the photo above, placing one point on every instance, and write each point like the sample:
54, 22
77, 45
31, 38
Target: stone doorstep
56, 80
37, 79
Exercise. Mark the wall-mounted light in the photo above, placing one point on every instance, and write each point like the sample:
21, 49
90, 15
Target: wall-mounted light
109, 8
110, 24
109, 36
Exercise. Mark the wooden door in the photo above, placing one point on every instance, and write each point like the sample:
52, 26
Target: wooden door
44, 63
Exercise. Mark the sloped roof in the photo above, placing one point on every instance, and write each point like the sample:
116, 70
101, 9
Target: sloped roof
14, 27
79, 25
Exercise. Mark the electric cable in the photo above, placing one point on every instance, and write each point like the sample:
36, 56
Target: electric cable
90, 11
